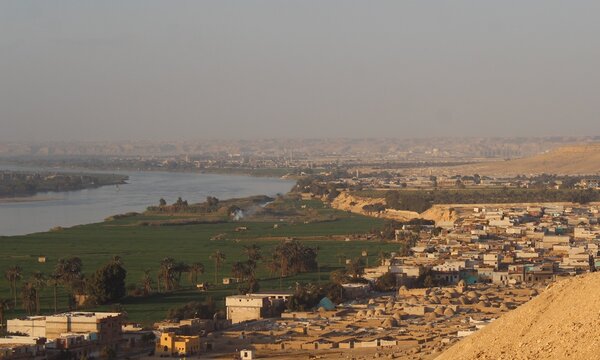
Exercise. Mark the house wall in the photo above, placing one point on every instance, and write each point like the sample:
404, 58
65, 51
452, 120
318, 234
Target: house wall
244, 308
34, 327
239, 314
170, 344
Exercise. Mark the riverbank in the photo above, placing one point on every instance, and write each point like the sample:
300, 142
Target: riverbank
24, 199
143, 189
142, 243
27, 183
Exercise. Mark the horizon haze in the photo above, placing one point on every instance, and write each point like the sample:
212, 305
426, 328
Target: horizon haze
134, 70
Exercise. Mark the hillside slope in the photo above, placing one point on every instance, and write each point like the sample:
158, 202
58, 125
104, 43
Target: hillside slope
561, 323
349, 202
570, 160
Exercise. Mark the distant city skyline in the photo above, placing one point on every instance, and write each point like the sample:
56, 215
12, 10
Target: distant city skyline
158, 70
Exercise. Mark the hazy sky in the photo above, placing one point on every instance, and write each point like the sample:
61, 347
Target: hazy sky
142, 69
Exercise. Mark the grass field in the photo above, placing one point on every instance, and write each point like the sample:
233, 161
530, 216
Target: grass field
142, 247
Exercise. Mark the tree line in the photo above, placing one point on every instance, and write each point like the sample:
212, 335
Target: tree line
26, 183
421, 200
105, 285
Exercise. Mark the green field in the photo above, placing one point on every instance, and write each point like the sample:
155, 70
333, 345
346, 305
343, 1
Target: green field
142, 247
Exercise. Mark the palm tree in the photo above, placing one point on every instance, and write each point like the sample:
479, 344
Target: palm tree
195, 270
70, 273
219, 258
252, 252
180, 268
29, 296
117, 260
167, 273
240, 270
272, 266
146, 282
13, 274
4, 305
54, 280
356, 268
338, 277
38, 280
69, 269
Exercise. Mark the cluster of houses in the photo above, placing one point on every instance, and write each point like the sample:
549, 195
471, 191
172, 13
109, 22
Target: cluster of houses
481, 264
88, 335
510, 245
486, 262
410, 321
78, 334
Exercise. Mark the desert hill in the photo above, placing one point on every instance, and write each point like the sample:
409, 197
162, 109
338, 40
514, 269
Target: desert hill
349, 202
569, 160
561, 323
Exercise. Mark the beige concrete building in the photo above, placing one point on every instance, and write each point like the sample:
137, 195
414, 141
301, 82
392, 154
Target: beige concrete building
34, 326
106, 327
255, 306
245, 307
170, 344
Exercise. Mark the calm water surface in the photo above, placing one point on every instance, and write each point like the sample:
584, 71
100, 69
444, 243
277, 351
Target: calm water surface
143, 189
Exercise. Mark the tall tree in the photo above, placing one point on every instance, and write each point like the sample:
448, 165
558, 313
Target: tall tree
219, 258
272, 266
70, 271
179, 269
54, 280
356, 268
240, 270
146, 282
38, 280
13, 274
338, 277
107, 284
252, 252
195, 270
166, 273
117, 260
294, 258
4, 306
28, 297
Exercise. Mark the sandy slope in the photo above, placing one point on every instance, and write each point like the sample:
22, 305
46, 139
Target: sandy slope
570, 160
352, 203
561, 323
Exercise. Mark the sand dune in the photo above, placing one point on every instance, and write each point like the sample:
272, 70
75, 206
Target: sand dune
570, 160
561, 323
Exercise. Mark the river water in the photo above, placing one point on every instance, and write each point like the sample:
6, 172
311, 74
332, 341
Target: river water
48, 210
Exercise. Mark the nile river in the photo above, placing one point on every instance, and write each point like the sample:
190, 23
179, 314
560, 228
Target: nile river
65, 209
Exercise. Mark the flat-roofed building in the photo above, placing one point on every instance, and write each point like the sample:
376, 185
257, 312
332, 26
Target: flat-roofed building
246, 307
170, 344
104, 327
255, 306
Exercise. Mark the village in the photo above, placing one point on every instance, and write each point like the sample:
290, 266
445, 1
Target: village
460, 275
